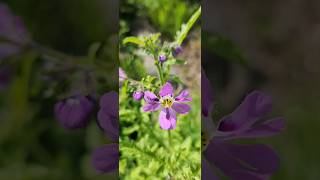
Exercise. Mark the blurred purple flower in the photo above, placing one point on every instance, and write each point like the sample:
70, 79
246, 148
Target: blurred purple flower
108, 115
106, 158
138, 95
176, 51
254, 161
169, 104
206, 95
122, 75
74, 112
13, 34
162, 58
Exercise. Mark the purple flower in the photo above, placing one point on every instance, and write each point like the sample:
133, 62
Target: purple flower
162, 58
206, 95
108, 115
74, 112
138, 95
168, 105
106, 158
241, 161
12, 31
176, 51
122, 75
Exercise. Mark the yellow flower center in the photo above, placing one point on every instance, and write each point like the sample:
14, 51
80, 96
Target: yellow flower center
167, 101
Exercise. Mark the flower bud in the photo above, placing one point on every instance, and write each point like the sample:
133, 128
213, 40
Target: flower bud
176, 51
162, 58
138, 95
74, 112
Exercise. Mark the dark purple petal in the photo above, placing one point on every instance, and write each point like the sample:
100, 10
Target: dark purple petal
151, 107
230, 158
254, 107
108, 115
110, 101
138, 95
243, 175
106, 158
181, 108
264, 129
183, 97
206, 95
150, 97
74, 112
206, 171
167, 119
167, 89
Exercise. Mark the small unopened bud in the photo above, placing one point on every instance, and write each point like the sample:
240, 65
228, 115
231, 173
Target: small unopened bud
138, 95
176, 51
162, 58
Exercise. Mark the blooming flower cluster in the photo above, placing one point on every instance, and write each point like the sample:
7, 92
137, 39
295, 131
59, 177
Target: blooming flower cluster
168, 104
239, 161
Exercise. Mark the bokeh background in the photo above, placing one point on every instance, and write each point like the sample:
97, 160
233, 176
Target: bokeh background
33, 145
271, 46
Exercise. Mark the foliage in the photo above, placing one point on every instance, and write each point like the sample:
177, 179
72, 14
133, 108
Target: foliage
147, 151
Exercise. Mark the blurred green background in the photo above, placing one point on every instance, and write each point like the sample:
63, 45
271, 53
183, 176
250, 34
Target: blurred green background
271, 46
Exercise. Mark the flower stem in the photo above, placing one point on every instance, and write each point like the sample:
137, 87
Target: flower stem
169, 137
160, 73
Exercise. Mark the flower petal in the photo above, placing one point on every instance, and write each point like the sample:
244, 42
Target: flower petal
167, 89
167, 119
181, 108
207, 171
206, 94
230, 158
74, 112
254, 107
110, 102
108, 116
106, 158
150, 97
264, 129
151, 107
183, 97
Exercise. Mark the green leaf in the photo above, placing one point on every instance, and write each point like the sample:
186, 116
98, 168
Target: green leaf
134, 40
185, 28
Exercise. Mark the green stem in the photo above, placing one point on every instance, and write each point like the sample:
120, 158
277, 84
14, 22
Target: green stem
160, 73
169, 137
